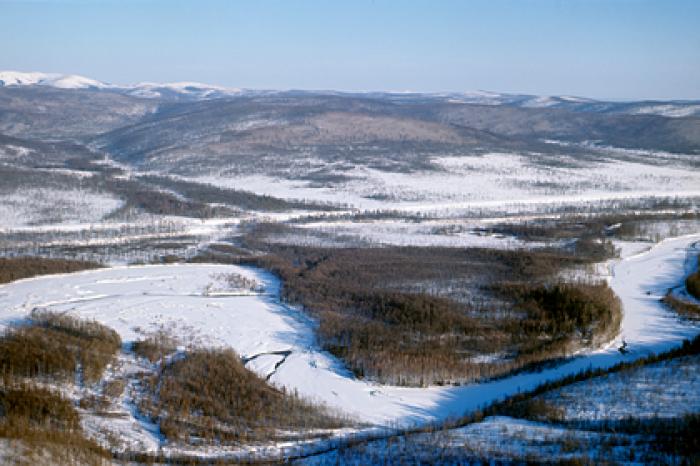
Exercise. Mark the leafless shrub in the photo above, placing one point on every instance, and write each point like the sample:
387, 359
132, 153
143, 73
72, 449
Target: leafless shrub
683, 307
155, 346
114, 388
238, 282
535, 409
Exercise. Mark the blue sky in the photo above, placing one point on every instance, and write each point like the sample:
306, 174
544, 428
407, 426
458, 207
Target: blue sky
619, 49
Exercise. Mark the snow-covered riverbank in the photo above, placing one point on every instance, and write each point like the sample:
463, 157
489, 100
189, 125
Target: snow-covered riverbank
279, 341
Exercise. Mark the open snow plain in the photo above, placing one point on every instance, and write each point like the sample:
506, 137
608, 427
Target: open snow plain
194, 303
491, 182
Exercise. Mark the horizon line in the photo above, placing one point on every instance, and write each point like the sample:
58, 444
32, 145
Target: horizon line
473, 92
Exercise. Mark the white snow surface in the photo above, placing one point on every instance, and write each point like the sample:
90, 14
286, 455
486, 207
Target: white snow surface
489, 182
496, 438
146, 89
63, 81
34, 206
667, 389
142, 298
195, 89
407, 233
669, 110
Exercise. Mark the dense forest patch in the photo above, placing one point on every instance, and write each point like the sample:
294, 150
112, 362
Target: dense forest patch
46, 425
15, 268
684, 306
51, 348
58, 346
589, 227
210, 395
246, 200
557, 313
692, 283
418, 316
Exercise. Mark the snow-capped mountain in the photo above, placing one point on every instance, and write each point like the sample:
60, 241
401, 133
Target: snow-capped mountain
178, 90
62, 81
193, 91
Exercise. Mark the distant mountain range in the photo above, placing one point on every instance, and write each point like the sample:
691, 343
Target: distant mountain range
320, 136
148, 90
179, 91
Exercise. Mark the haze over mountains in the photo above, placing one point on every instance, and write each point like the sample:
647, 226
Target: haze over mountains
193, 128
199, 91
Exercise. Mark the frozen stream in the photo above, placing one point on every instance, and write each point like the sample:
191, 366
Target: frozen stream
278, 342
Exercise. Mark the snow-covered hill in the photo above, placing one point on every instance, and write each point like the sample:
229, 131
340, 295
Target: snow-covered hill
201, 91
194, 90
191, 90
62, 81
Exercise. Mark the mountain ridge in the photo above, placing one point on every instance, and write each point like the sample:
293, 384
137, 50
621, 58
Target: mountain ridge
144, 89
190, 90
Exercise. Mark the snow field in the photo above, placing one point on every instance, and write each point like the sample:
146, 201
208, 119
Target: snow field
491, 181
667, 389
496, 438
402, 233
40, 206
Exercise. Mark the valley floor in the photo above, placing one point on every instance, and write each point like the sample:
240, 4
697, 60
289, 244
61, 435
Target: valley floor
198, 305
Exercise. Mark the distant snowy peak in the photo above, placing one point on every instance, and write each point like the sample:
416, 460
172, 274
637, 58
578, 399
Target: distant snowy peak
517, 100
14, 78
179, 90
194, 91
669, 110
555, 101
478, 97
76, 82
189, 89
62, 81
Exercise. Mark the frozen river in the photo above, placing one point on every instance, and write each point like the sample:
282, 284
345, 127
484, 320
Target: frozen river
279, 342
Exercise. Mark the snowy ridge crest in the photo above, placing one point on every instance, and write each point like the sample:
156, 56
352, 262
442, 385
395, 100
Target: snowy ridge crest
62, 81
200, 91
147, 89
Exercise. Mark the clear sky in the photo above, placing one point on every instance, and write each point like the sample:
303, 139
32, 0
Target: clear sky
620, 49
